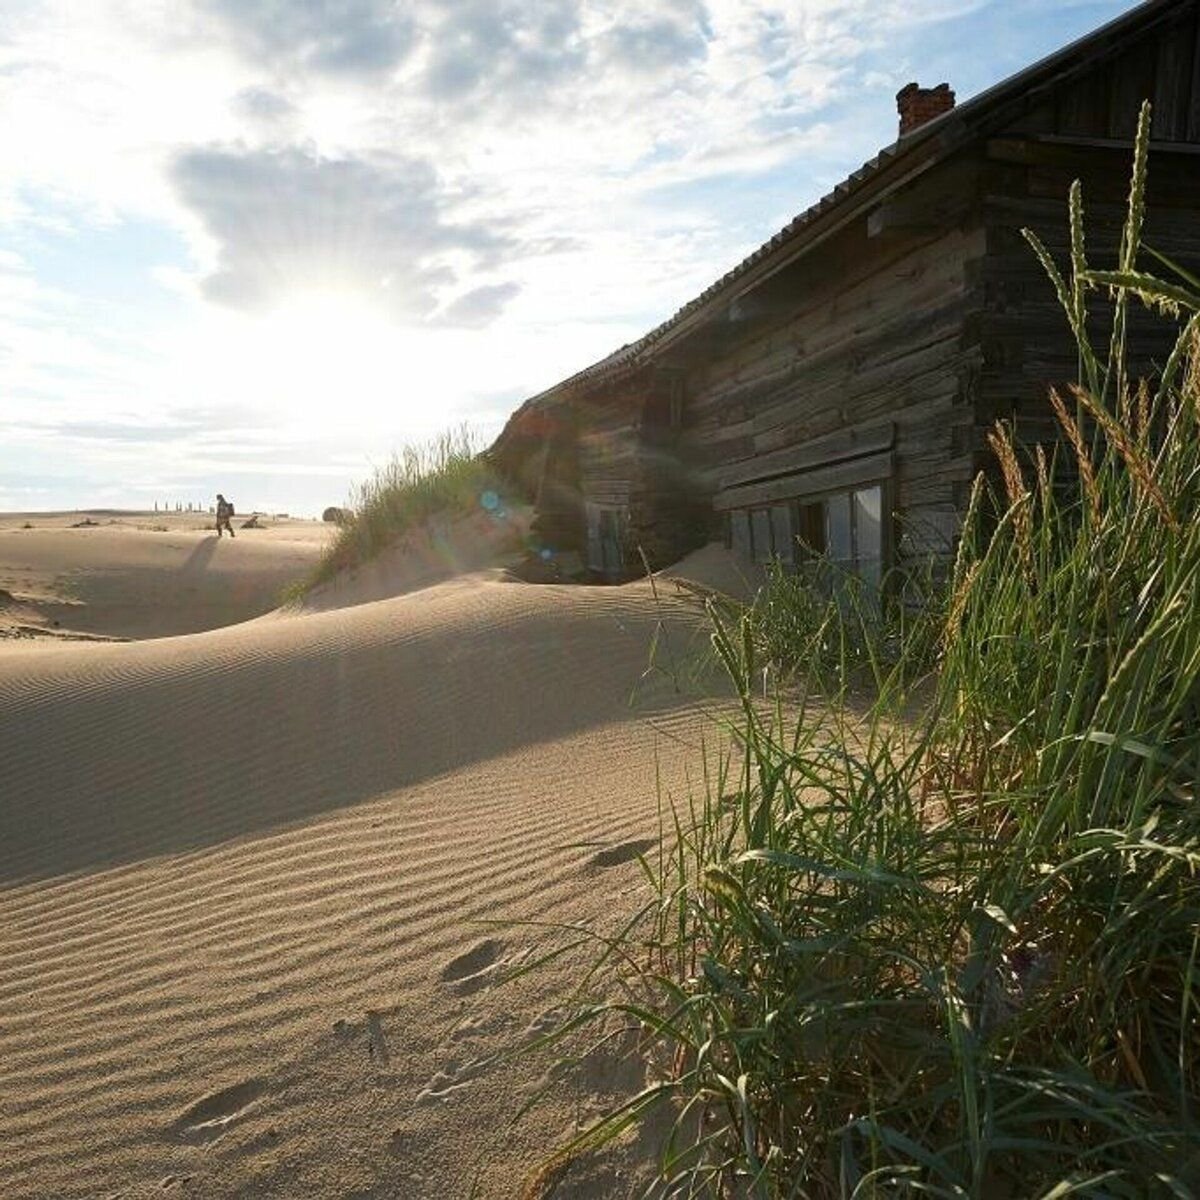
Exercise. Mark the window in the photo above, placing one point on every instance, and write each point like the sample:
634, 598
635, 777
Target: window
760, 531
606, 536
763, 534
847, 528
868, 534
783, 542
739, 532
810, 528
839, 532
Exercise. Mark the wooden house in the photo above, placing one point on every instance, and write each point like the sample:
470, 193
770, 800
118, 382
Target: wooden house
836, 387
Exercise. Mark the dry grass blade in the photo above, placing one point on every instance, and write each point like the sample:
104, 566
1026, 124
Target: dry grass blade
1083, 459
1135, 461
1000, 440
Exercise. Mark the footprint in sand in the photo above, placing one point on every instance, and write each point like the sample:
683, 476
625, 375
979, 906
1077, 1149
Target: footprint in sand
545, 1021
453, 1077
483, 1024
625, 852
474, 968
212, 1115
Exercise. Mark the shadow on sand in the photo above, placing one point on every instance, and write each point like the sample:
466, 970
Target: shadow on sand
158, 748
197, 562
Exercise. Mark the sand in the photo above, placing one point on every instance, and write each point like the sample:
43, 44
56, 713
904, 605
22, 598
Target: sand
259, 886
87, 575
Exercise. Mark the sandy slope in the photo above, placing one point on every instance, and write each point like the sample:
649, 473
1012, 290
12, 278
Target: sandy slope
242, 875
142, 575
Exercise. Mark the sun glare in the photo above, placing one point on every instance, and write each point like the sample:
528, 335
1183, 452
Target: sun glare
329, 362
322, 354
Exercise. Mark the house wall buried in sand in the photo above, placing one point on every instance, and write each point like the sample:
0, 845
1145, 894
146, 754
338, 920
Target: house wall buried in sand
835, 388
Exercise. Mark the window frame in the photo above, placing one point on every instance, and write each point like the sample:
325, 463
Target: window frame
618, 522
803, 552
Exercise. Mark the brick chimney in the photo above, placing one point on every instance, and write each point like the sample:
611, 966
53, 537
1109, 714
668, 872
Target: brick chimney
918, 105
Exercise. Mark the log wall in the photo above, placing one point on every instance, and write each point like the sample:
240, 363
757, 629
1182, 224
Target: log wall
1026, 344
896, 343
868, 334
1083, 129
628, 460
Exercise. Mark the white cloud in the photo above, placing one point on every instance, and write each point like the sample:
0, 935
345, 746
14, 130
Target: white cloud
396, 211
355, 38
288, 222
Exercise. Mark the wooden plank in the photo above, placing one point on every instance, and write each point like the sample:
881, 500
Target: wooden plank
836, 310
1193, 104
1015, 211
846, 395
1173, 81
1083, 104
861, 334
1040, 117
936, 202
914, 487
849, 398
868, 469
1078, 154
1123, 145
882, 397
1131, 80
823, 451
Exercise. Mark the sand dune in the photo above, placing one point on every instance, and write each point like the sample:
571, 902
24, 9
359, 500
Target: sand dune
243, 875
432, 553
143, 575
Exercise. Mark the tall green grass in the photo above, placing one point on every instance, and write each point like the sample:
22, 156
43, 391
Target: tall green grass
955, 952
825, 626
444, 477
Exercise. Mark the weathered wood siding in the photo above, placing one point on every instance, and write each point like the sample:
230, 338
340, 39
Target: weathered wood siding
868, 331
609, 420
933, 314
628, 460
1083, 129
1101, 100
903, 331
558, 524
1023, 332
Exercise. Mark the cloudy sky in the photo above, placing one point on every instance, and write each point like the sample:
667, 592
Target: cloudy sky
256, 245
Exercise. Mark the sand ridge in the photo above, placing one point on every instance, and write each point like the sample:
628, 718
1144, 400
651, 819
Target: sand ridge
245, 877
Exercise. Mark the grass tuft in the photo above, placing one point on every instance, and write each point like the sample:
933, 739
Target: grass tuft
446, 477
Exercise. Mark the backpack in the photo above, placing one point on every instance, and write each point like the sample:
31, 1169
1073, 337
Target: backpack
229, 506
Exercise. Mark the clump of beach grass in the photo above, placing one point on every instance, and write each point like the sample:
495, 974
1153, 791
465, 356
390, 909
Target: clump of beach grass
825, 626
956, 953
443, 478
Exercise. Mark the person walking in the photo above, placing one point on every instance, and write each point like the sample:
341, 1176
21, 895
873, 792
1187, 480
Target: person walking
224, 513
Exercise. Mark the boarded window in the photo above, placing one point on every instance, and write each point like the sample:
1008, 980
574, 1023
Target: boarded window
605, 538
739, 532
847, 528
760, 530
782, 543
